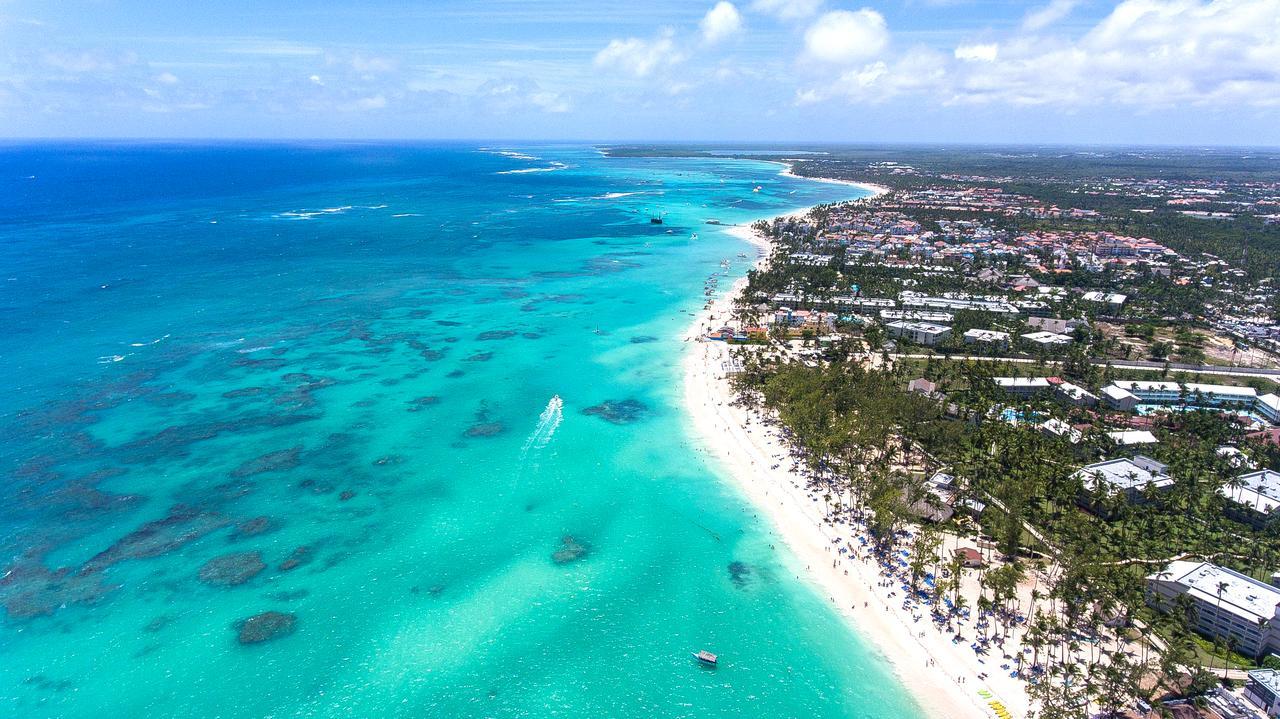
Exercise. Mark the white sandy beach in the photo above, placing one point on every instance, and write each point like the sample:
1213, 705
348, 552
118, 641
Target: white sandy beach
942, 675
875, 190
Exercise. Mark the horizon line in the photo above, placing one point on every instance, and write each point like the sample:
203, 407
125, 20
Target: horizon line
746, 144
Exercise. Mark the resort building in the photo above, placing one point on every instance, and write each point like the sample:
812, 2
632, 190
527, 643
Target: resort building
1074, 394
1253, 498
1119, 398
1263, 690
1023, 386
1130, 477
1205, 395
1131, 437
921, 333
917, 316
986, 337
1052, 324
1228, 604
1046, 339
912, 300
1057, 428
1127, 395
1112, 300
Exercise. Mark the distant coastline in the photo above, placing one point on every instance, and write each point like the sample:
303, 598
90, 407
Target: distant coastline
874, 189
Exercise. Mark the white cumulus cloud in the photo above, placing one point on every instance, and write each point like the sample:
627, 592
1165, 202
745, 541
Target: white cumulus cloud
721, 21
1042, 17
978, 53
845, 37
1146, 54
788, 9
640, 57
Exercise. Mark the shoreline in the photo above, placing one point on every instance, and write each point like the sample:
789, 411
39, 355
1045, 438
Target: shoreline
874, 189
940, 675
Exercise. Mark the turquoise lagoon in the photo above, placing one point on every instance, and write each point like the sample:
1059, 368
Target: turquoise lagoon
329, 370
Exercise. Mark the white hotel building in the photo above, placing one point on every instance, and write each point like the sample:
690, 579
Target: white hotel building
1125, 395
1228, 604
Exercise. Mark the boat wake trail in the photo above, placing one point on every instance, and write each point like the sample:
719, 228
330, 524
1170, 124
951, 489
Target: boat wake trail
548, 422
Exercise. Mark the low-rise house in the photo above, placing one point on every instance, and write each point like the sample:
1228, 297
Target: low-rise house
923, 386
969, 557
1228, 604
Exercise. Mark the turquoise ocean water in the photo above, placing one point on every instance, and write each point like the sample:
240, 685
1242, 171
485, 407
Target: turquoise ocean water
313, 385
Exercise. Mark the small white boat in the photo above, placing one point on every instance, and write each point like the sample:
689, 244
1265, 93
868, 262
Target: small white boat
705, 657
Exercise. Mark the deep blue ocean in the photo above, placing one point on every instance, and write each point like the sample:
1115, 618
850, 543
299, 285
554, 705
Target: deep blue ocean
279, 438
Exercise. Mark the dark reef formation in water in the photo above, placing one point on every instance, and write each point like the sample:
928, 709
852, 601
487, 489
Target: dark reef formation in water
495, 335
253, 528
277, 461
739, 574
485, 429
265, 626
182, 525
174, 441
643, 339
480, 357
29, 589
421, 403
571, 550
297, 558
231, 570
623, 411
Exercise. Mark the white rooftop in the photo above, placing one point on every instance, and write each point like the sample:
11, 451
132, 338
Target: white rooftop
926, 327
1010, 382
1075, 391
986, 335
1192, 388
1259, 491
1108, 297
1269, 678
1133, 436
1117, 393
1047, 338
1241, 595
1126, 474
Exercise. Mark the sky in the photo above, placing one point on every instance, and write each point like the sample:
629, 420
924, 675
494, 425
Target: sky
1182, 72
